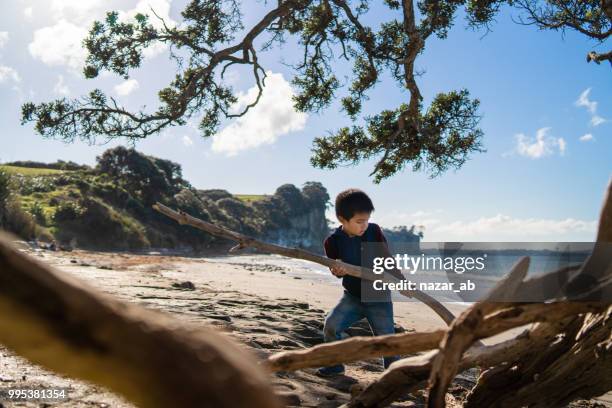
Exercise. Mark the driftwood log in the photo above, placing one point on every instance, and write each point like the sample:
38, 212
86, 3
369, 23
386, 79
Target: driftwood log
462, 333
579, 364
154, 361
245, 241
569, 356
362, 348
413, 372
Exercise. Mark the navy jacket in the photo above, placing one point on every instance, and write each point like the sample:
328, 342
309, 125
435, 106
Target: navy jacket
339, 245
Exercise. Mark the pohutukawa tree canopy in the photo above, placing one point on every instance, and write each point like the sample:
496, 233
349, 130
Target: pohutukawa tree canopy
433, 138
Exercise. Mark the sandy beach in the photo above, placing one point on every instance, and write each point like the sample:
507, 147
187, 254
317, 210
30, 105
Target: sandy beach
266, 303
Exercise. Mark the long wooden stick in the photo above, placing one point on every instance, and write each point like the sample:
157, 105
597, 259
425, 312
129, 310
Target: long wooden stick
354, 349
245, 241
362, 348
57, 321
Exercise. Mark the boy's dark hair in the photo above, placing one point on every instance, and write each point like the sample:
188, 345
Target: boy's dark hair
352, 201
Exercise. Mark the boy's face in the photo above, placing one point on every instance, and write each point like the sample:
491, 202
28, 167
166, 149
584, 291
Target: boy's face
357, 225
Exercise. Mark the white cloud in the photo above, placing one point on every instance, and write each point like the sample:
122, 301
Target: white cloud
162, 9
597, 120
421, 213
586, 137
60, 87
498, 228
9, 74
591, 106
127, 87
84, 12
423, 220
583, 100
28, 12
542, 145
503, 227
562, 145
4, 37
81, 12
187, 141
59, 44
271, 118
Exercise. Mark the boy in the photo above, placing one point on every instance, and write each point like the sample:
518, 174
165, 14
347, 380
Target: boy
353, 209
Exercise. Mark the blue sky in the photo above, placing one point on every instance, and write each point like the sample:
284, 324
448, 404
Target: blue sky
547, 118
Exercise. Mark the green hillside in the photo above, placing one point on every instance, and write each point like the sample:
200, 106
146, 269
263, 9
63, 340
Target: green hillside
109, 206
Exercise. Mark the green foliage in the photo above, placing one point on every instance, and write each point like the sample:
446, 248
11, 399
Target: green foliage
447, 133
147, 178
291, 199
326, 31
12, 216
38, 213
235, 208
110, 206
211, 22
111, 192
5, 188
129, 57
187, 201
315, 195
27, 185
18, 221
67, 211
272, 207
96, 224
242, 213
5, 195
592, 18
403, 234
433, 138
317, 91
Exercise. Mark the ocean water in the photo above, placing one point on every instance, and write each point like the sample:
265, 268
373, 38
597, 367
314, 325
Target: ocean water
295, 266
497, 266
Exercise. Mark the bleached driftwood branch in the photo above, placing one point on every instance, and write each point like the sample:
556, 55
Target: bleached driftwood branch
410, 374
245, 241
362, 348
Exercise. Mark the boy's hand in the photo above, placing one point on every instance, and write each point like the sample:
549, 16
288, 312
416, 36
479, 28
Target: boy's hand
338, 271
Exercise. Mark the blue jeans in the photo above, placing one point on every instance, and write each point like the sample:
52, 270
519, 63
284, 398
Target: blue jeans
351, 309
